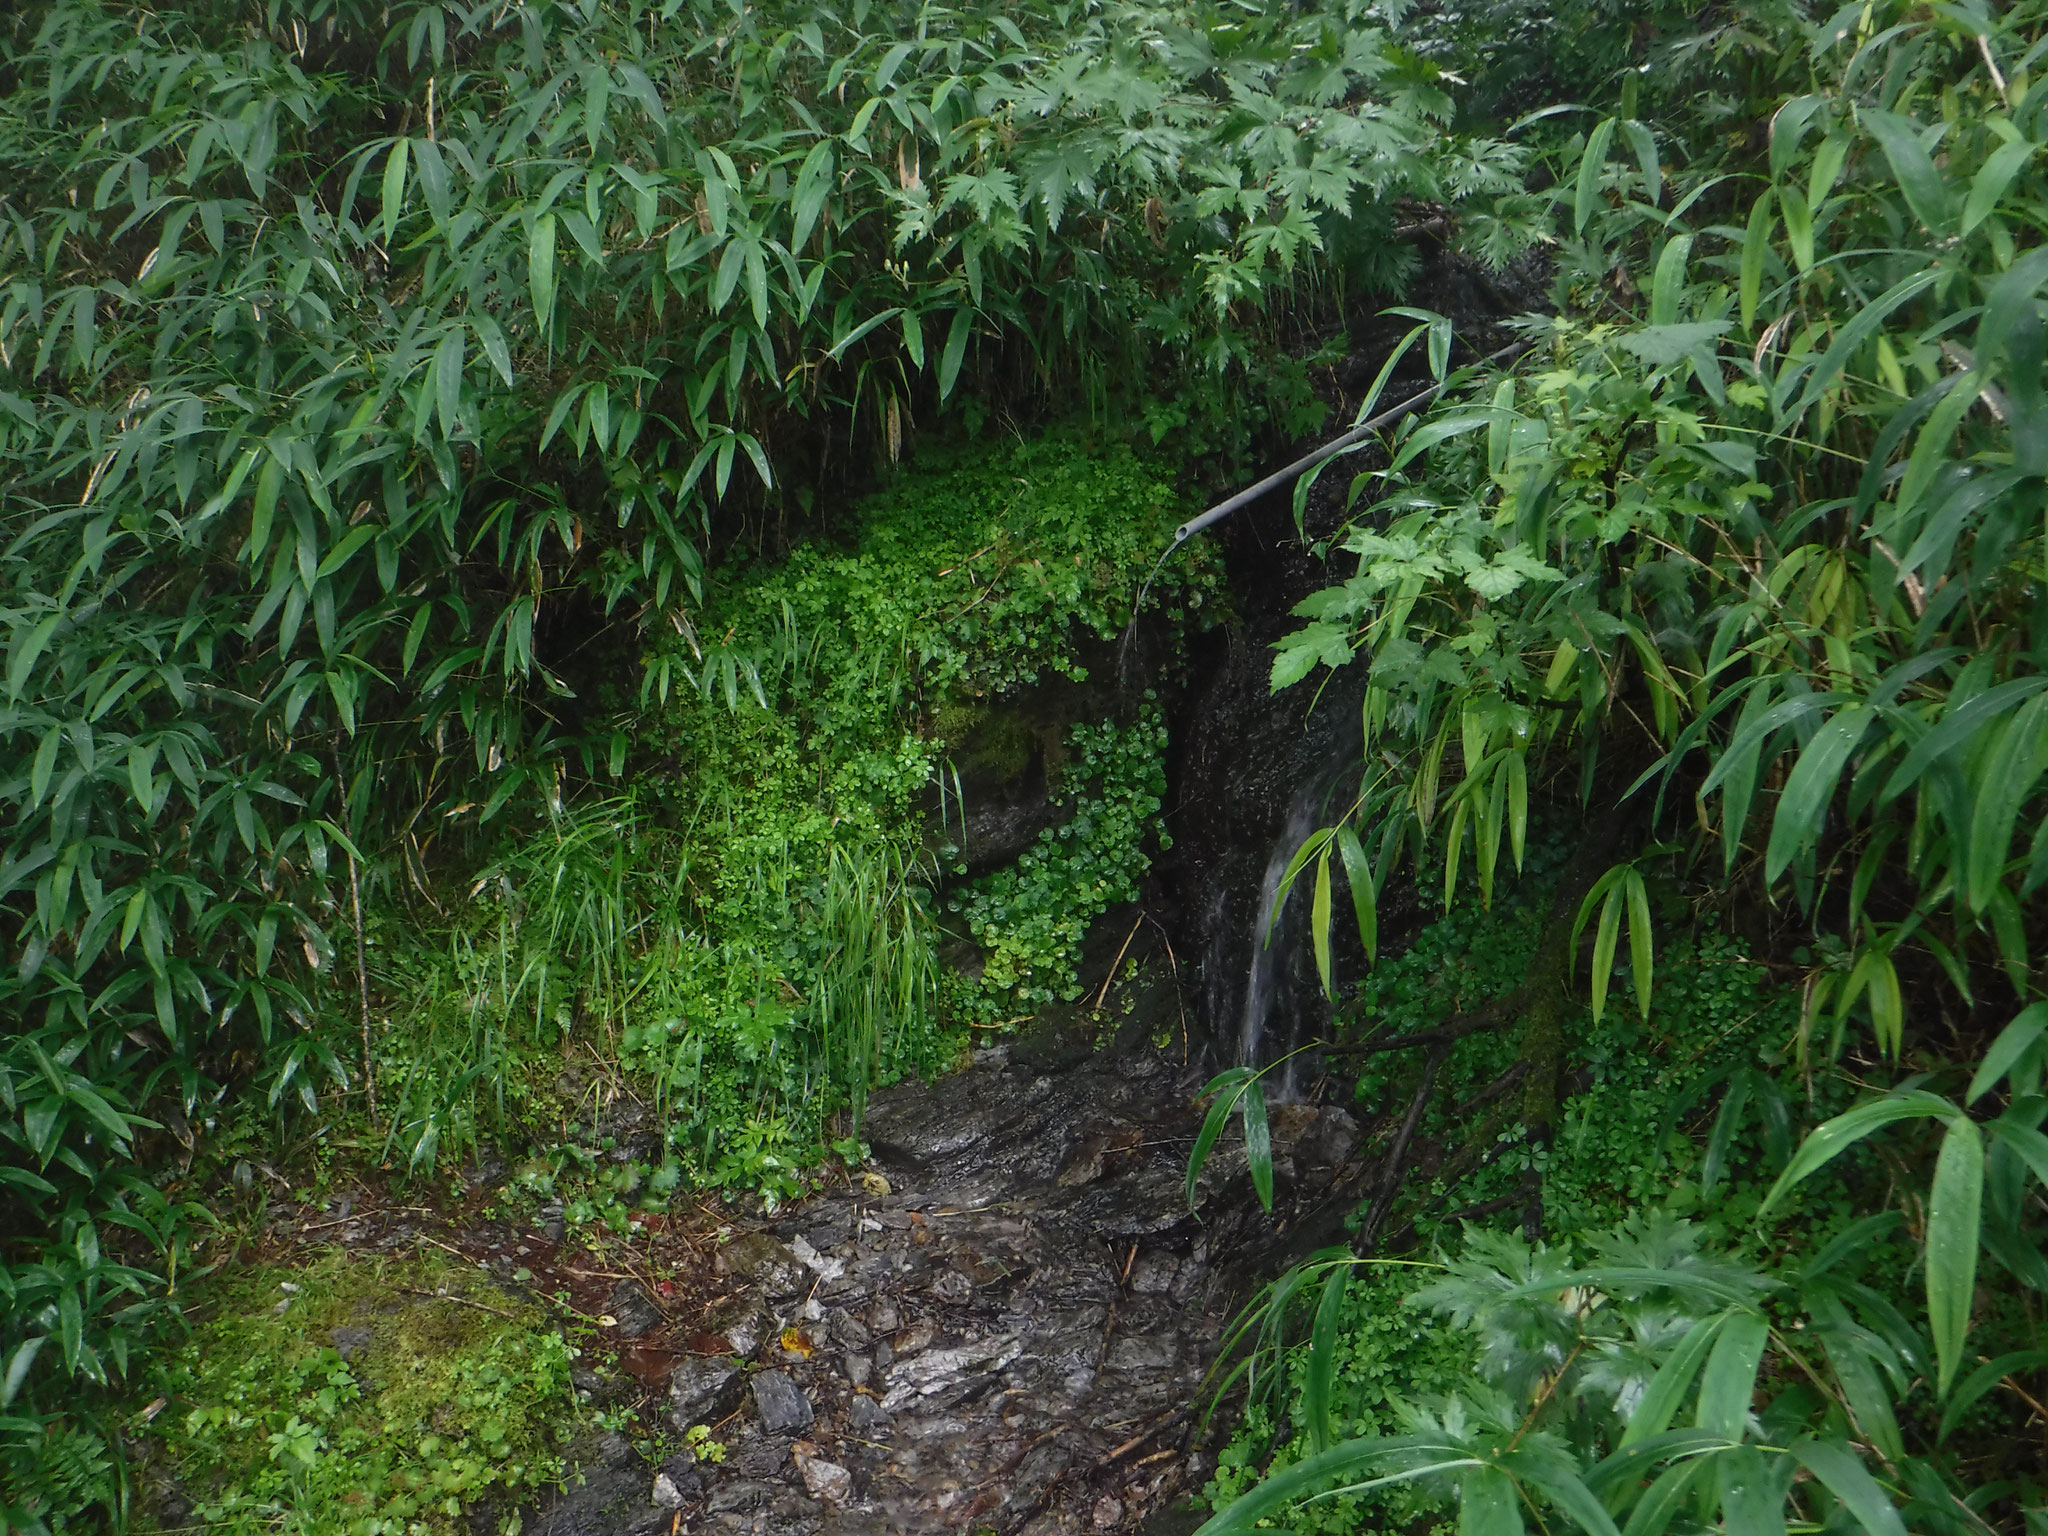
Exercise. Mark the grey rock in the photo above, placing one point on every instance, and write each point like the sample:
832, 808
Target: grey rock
666, 1494
746, 1323
781, 1403
769, 1264
701, 1389
860, 1370
605, 1448
608, 1503
918, 1336
850, 1330
868, 1416
824, 1479
740, 1495
1158, 1353
1153, 1274
633, 1310
952, 1286
350, 1341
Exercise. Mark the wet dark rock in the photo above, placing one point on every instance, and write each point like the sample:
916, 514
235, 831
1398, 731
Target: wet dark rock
996, 1335
1154, 1273
600, 1450
604, 1503
868, 1416
781, 1403
701, 1389
603, 1386
745, 1323
632, 1310
684, 1476
350, 1341
741, 1495
769, 1264
823, 1479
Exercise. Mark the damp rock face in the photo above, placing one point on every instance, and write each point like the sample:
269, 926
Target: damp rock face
700, 1390
1006, 1332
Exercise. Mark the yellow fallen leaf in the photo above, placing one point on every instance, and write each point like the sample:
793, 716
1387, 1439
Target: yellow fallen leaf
795, 1343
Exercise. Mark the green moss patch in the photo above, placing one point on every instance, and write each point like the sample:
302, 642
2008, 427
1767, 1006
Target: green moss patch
369, 1397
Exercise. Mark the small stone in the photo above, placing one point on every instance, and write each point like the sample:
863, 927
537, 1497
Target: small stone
917, 1336
666, 1494
744, 1323
884, 1356
1106, 1513
884, 1318
868, 1416
350, 1342
633, 1310
684, 1476
699, 1388
758, 1257
859, 1369
953, 1286
850, 1330
781, 1403
825, 1269
825, 1480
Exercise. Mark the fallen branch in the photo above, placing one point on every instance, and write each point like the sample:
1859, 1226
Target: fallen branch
1494, 1015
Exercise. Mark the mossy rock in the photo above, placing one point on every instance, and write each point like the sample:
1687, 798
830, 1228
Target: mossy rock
362, 1396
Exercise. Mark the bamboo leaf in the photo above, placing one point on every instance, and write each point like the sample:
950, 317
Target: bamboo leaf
2013, 1043
1604, 941
1843, 1475
1802, 807
1226, 1087
1641, 941
1730, 1378
1590, 165
1364, 897
1258, 1142
1319, 921
1852, 336
1976, 1384
1998, 172
1926, 191
1674, 1378
394, 186
540, 271
1953, 1213
1829, 1141
1319, 1383
1756, 244
955, 351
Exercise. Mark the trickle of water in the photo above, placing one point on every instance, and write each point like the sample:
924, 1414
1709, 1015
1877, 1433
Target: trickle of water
1273, 989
